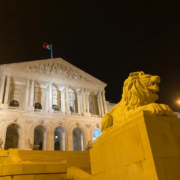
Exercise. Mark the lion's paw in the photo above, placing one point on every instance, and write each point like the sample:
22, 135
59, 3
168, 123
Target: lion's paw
160, 109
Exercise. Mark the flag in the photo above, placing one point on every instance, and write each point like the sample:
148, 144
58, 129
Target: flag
49, 47
46, 46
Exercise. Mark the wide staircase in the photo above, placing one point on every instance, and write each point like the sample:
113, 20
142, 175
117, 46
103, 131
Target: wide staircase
79, 159
46, 165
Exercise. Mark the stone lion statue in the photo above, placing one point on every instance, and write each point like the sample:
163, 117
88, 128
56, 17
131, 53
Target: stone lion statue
139, 93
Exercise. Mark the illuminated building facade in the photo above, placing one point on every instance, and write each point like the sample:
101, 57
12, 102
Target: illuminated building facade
51, 104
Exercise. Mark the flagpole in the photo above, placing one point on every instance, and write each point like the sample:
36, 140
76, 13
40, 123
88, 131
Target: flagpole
51, 52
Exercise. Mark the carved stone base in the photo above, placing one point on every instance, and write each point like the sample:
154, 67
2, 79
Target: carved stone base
68, 112
30, 108
51, 110
87, 114
4, 106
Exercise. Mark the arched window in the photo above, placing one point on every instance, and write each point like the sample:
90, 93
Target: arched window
40, 136
97, 133
71, 109
14, 103
78, 139
12, 136
55, 107
38, 106
59, 139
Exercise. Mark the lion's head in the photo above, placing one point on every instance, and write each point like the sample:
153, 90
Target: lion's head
140, 89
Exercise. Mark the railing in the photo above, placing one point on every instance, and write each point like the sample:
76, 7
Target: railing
44, 111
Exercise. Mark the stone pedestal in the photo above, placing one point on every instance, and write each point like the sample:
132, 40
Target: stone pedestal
86, 114
29, 108
5, 106
68, 112
51, 110
146, 147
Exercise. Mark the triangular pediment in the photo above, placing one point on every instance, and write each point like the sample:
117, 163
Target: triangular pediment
54, 67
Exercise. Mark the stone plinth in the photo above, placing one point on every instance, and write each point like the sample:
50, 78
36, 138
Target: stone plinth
145, 148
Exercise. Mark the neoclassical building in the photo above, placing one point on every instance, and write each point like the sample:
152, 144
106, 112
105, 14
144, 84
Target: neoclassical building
51, 104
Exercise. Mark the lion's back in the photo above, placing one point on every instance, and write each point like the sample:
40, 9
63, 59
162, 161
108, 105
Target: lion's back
117, 113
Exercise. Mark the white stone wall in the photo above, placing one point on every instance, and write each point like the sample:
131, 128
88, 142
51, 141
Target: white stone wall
28, 121
109, 105
50, 82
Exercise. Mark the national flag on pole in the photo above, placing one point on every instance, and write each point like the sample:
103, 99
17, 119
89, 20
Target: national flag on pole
46, 46
49, 47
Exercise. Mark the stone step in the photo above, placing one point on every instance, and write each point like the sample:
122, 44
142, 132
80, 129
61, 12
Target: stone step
81, 157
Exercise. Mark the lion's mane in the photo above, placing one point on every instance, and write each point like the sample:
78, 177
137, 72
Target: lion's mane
135, 94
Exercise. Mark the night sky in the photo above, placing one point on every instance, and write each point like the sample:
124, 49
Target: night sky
107, 39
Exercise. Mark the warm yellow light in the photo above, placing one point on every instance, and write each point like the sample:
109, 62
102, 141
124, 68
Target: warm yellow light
178, 102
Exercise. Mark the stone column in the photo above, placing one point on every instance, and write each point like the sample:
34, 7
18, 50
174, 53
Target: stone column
47, 100
70, 141
2, 88
99, 107
93, 104
32, 94
104, 102
63, 109
50, 141
63, 141
27, 93
78, 102
67, 100
7, 90
101, 104
81, 103
50, 96
83, 100
87, 101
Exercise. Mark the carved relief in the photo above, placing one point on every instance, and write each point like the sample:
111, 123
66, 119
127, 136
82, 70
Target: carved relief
2, 119
88, 125
57, 68
29, 121
77, 124
98, 126
69, 123
16, 120
60, 123
41, 121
